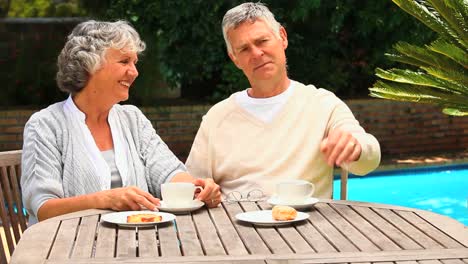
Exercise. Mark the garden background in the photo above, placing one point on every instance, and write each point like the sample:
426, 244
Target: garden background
334, 44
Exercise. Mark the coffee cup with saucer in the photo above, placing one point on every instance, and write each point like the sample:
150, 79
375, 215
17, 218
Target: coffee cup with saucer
294, 193
178, 197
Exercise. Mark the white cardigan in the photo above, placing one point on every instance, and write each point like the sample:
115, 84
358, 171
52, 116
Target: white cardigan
57, 162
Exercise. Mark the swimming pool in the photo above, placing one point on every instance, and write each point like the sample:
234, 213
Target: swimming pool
442, 189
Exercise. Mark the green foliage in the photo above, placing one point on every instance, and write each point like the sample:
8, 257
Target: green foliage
27, 64
334, 44
45, 8
440, 76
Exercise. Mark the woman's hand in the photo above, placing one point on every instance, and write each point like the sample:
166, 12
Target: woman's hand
211, 193
127, 198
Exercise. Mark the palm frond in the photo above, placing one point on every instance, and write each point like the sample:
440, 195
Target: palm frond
453, 17
459, 77
427, 58
414, 93
405, 59
455, 111
442, 77
452, 51
430, 19
421, 79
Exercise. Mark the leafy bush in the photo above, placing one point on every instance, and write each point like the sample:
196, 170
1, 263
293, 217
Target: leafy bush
334, 44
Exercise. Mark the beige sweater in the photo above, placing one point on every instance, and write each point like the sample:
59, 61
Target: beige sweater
242, 153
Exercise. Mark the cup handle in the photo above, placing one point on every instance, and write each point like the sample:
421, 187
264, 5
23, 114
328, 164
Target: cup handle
312, 189
197, 187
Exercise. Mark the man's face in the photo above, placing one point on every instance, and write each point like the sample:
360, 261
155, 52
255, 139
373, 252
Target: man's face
257, 51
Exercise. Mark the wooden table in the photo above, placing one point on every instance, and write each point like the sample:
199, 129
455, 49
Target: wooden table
336, 232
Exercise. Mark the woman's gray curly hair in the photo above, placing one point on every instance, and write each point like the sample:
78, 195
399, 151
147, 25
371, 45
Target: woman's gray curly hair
251, 12
85, 50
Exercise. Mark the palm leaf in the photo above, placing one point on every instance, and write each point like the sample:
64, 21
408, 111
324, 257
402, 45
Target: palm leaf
442, 78
453, 17
414, 93
405, 59
455, 111
452, 51
428, 58
420, 79
459, 77
430, 19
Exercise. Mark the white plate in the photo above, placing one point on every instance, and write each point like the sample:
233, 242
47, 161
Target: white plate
264, 218
120, 218
196, 204
307, 203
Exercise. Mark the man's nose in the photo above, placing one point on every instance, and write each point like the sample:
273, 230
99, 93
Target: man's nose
257, 52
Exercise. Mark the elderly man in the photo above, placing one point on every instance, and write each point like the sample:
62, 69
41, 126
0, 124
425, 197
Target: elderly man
278, 129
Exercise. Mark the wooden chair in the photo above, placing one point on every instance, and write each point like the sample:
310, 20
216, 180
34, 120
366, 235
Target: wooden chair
344, 185
12, 215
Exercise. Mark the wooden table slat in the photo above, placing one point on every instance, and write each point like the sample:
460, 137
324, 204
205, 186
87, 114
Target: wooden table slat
147, 242
315, 239
366, 228
105, 241
126, 242
344, 257
330, 232
228, 234
188, 236
431, 261
252, 240
386, 228
415, 234
38, 245
208, 233
169, 243
347, 229
452, 261
291, 235
84, 244
63, 244
379, 256
269, 235
429, 229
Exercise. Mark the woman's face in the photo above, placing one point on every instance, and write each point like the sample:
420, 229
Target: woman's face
113, 80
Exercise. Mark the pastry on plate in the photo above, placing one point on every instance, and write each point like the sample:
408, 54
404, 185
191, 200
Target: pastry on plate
144, 218
283, 213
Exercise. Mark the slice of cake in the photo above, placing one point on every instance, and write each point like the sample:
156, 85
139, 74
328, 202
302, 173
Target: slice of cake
144, 218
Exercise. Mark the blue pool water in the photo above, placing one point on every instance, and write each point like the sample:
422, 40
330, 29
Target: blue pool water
442, 190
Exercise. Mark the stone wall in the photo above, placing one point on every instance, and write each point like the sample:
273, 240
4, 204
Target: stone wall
401, 128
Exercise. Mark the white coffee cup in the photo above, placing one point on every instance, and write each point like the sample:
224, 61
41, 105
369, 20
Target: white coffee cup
294, 191
178, 194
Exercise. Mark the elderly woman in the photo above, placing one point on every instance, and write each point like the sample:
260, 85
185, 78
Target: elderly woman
88, 151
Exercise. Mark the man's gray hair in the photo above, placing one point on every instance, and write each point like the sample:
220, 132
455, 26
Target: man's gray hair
248, 12
86, 47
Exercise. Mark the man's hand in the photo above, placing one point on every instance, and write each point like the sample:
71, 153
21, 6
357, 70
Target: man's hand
340, 147
211, 193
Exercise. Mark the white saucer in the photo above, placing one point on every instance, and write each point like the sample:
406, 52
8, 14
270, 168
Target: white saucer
196, 204
307, 203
